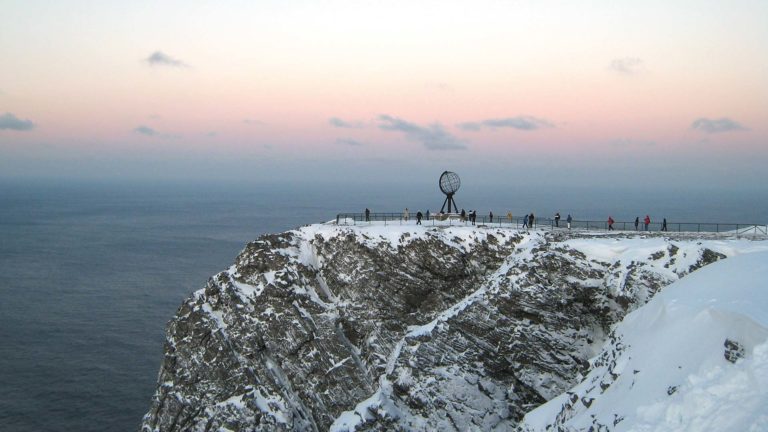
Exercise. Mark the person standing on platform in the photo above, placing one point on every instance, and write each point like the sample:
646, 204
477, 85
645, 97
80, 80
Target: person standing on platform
525, 221
610, 223
406, 214
490, 216
427, 214
557, 219
530, 220
637, 222
418, 218
569, 219
647, 221
367, 215
664, 225
509, 216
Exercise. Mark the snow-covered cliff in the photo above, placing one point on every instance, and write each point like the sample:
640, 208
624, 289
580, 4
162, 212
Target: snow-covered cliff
408, 328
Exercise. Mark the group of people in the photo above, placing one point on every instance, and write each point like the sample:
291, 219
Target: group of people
529, 220
646, 223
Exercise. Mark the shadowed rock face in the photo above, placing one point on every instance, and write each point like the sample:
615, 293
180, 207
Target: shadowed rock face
449, 329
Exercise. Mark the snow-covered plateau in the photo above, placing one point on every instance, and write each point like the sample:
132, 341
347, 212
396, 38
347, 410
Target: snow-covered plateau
407, 327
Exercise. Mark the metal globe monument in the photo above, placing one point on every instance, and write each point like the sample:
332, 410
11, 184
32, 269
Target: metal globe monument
449, 184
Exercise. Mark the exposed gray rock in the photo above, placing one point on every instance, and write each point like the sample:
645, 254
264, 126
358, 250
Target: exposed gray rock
400, 328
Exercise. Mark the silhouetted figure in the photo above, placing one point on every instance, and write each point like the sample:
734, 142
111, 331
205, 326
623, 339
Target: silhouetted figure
427, 214
557, 219
418, 218
525, 221
664, 225
490, 216
463, 215
367, 215
610, 223
569, 219
637, 222
473, 216
530, 220
647, 221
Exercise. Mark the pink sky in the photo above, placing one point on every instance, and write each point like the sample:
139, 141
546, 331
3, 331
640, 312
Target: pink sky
354, 82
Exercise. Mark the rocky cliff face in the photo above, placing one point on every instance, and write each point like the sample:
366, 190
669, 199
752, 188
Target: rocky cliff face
403, 328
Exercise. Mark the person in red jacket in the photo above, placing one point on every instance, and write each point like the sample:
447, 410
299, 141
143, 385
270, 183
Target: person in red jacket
647, 221
610, 223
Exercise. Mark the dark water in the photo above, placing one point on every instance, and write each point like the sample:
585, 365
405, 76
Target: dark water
90, 273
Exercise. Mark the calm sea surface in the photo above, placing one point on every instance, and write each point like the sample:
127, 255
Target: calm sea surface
91, 273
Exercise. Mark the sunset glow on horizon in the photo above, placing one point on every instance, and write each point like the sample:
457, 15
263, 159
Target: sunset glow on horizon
345, 84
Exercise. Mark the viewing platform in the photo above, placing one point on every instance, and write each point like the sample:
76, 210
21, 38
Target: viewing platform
724, 229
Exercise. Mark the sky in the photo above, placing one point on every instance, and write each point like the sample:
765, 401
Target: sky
547, 92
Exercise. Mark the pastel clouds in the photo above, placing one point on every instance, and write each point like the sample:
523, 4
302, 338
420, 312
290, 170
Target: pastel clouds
339, 123
146, 130
723, 124
626, 65
432, 137
153, 133
159, 58
520, 122
11, 122
349, 142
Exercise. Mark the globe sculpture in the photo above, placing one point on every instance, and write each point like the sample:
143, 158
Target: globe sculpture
449, 184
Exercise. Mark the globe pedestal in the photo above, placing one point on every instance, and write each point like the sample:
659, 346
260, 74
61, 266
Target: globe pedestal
449, 184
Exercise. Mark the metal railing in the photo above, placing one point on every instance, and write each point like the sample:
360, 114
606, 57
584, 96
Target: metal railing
737, 229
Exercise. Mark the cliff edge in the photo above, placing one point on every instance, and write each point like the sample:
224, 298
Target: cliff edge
405, 328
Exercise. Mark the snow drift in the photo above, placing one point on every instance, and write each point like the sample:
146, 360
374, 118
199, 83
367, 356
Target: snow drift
694, 358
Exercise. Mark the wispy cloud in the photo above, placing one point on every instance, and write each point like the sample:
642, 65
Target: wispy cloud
146, 130
433, 137
716, 125
349, 142
628, 142
253, 122
339, 123
159, 58
626, 65
520, 122
10, 121
150, 132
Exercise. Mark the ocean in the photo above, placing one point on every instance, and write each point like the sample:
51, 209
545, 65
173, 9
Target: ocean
92, 271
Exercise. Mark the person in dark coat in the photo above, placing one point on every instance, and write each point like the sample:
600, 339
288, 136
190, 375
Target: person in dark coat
569, 219
637, 222
490, 216
530, 220
557, 219
367, 215
525, 221
474, 216
463, 215
418, 218
664, 225
610, 223
427, 214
